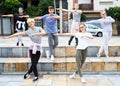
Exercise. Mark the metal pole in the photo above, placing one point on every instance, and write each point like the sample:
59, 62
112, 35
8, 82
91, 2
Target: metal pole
55, 6
60, 4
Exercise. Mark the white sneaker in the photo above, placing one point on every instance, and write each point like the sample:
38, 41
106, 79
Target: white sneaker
107, 56
72, 76
47, 53
52, 58
83, 80
98, 55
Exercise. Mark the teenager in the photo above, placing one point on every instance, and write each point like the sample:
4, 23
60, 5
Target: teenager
75, 22
106, 24
20, 24
34, 49
50, 21
81, 49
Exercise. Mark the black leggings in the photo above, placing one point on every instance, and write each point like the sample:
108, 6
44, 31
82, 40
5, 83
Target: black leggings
34, 62
71, 38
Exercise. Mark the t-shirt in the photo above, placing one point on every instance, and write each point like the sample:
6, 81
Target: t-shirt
20, 23
50, 23
35, 39
83, 42
76, 16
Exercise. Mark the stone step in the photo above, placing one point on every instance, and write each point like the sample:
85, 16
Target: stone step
61, 51
111, 64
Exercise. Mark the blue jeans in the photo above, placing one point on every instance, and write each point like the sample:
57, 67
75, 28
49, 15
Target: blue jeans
53, 42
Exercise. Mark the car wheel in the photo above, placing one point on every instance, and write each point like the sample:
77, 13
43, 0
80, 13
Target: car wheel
99, 34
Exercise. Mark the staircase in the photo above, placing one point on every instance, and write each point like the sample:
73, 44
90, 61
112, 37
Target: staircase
13, 59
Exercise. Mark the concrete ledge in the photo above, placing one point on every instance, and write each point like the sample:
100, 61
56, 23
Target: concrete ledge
102, 64
63, 51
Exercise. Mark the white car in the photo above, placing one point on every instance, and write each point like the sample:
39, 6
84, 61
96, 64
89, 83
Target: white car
94, 30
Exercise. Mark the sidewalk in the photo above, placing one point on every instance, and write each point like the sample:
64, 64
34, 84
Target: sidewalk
60, 80
63, 41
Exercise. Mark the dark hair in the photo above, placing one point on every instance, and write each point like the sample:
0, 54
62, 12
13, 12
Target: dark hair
50, 7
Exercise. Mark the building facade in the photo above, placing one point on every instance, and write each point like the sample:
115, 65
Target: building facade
95, 4
103, 4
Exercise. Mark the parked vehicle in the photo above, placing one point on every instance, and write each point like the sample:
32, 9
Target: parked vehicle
94, 30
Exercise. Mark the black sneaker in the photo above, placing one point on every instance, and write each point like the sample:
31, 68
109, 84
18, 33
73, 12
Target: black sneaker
22, 44
69, 43
35, 78
76, 44
26, 75
17, 44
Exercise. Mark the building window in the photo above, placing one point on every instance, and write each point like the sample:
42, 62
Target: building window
84, 1
106, 1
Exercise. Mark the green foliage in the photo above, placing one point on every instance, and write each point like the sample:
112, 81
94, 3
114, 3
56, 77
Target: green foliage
114, 12
43, 6
33, 11
10, 6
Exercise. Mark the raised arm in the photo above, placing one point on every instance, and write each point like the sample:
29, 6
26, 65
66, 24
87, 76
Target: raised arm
110, 20
65, 34
56, 17
88, 36
93, 21
25, 16
8, 15
15, 35
65, 10
37, 18
79, 11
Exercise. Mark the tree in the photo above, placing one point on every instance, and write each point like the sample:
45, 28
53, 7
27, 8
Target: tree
43, 6
114, 12
33, 11
10, 6
29, 3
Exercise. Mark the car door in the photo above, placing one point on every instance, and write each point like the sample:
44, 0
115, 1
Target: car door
92, 29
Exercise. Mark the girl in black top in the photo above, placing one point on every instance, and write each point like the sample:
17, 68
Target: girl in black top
20, 23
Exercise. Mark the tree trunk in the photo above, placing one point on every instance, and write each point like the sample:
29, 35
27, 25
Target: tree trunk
28, 3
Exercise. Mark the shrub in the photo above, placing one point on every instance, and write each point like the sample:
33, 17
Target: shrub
43, 6
33, 11
114, 12
11, 6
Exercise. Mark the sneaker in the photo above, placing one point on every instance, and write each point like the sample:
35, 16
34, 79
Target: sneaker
17, 44
26, 75
76, 45
98, 55
107, 56
83, 80
69, 43
52, 58
72, 76
22, 44
35, 78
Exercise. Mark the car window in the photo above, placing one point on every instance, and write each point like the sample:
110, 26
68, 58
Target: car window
92, 27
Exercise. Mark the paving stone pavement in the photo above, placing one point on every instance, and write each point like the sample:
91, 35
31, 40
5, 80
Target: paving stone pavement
60, 80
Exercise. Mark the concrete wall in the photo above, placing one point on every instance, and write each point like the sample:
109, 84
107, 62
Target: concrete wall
98, 5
